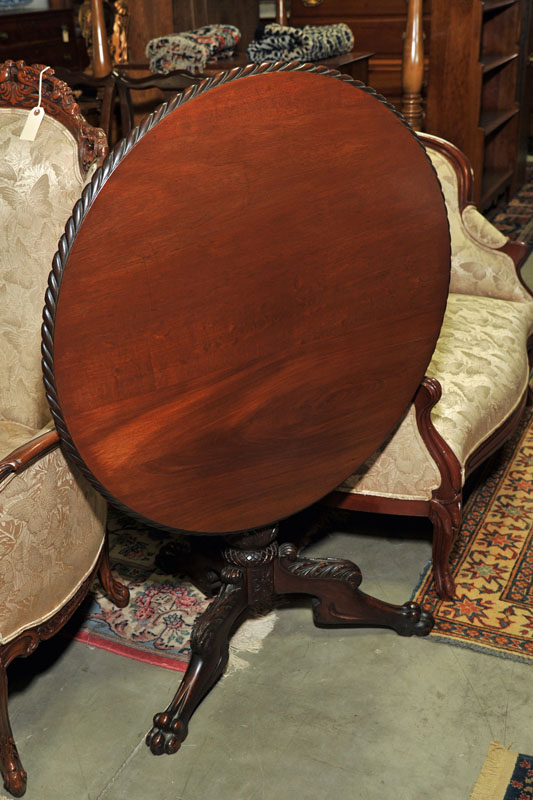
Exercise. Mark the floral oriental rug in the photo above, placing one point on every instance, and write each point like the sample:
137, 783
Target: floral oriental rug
506, 775
492, 560
156, 625
516, 219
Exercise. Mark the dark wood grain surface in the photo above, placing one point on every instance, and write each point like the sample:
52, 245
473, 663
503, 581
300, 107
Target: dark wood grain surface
250, 302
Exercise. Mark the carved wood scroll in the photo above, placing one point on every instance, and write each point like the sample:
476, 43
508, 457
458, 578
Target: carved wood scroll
19, 87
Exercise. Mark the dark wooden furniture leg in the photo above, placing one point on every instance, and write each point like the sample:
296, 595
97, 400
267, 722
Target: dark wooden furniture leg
23, 645
257, 571
199, 558
116, 591
13, 772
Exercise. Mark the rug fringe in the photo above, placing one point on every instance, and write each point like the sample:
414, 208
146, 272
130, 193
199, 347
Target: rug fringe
422, 577
249, 638
479, 648
495, 774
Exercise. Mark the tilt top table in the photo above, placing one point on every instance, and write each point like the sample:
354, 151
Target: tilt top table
241, 309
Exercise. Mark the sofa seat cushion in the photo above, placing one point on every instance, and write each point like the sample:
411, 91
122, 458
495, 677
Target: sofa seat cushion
51, 533
481, 362
39, 183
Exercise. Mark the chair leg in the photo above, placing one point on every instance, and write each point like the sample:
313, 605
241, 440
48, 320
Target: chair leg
446, 519
115, 590
13, 772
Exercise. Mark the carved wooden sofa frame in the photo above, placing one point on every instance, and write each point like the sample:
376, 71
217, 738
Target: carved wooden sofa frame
444, 506
19, 89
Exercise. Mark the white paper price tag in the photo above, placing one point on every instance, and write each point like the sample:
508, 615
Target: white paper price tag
33, 121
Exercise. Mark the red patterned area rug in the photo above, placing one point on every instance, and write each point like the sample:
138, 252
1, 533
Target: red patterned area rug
492, 560
516, 219
155, 627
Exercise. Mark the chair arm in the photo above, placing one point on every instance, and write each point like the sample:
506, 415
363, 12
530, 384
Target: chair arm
27, 453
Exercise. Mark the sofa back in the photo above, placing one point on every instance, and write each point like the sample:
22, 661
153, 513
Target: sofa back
480, 263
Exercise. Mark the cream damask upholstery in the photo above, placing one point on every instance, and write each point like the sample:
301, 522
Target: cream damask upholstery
52, 522
39, 183
51, 536
481, 363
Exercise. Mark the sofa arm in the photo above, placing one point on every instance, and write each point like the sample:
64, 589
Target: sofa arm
484, 261
26, 454
485, 233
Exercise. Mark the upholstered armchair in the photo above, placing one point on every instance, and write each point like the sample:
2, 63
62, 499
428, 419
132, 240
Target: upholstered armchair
476, 385
52, 523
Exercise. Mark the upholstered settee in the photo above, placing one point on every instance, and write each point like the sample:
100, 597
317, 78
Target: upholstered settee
52, 522
476, 385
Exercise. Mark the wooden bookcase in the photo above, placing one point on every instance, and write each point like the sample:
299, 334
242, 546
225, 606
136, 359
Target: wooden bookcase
473, 89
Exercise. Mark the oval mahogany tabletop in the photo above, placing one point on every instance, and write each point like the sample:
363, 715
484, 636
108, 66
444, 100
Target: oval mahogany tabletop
248, 298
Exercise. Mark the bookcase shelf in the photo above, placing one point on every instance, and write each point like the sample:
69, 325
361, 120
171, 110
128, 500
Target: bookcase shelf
473, 90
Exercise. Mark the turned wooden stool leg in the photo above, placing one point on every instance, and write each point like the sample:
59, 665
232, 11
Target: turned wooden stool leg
13, 772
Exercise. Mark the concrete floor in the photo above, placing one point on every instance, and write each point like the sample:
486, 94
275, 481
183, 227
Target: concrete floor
356, 714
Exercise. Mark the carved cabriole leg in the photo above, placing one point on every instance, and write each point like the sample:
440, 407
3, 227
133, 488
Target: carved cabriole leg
446, 519
23, 645
246, 583
256, 573
115, 590
529, 401
209, 656
446, 504
337, 601
13, 772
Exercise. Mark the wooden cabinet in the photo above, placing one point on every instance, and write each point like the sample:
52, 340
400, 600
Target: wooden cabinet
40, 37
473, 90
378, 27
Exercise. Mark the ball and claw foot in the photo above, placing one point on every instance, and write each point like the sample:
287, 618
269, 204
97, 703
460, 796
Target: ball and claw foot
13, 772
167, 734
417, 622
